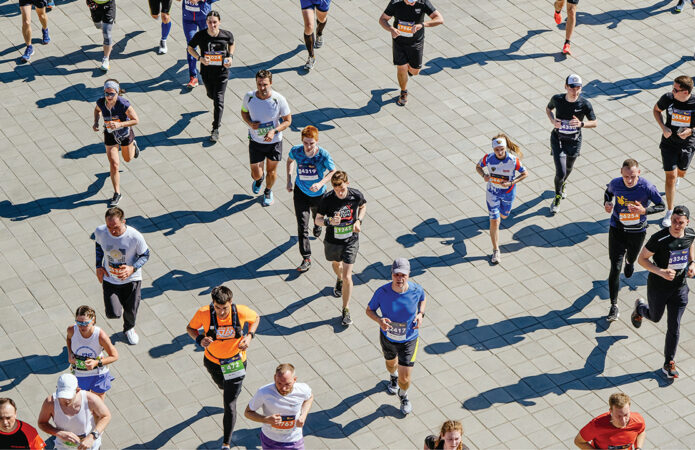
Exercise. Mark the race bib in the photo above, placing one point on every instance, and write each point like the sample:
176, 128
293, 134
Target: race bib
214, 58
80, 363
406, 28
497, 181
307, 172
110, 124
232, 368
264, 128
628, 218
191, 6
566, 128
680, 118
396, 331
342, 232
678, 259
287, 424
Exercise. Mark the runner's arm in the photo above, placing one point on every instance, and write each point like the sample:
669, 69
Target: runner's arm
97, 114
521, 176
105, 342
286, 122
45, 415
435, 19
656, 208
306, 406
384, 21
581, 443
590, 123
133, 116
643, 260
102, 415
639, 441
327, 178
551, 116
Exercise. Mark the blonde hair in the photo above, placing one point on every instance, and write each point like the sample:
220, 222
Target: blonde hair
510, 145
450, 425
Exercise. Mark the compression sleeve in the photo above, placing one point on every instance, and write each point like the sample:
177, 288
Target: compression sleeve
651, 209
142, 259
100, 255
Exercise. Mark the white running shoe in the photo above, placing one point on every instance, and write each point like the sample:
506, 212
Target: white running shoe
162, 47
667, 219
310, 63
496, 257
132, 336
104, 64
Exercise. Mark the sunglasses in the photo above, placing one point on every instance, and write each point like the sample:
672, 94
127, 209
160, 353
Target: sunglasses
109, 94
679, 90
82, 324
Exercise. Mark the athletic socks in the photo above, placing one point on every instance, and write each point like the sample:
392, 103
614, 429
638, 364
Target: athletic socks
309, 42
320, 26
166, 28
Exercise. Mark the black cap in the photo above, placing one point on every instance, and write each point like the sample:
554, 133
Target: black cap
681, 211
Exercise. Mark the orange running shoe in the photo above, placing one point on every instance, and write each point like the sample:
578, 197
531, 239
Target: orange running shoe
558, 17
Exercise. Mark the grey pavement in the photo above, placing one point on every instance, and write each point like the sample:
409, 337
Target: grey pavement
520, 353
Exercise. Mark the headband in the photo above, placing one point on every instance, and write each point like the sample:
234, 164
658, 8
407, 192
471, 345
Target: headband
112, 85
499, 142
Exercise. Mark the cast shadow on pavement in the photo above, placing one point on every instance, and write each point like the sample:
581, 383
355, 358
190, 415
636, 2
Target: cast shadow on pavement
161, 440
588, 378
565, 235
41, 206
249, 71
177, 343
18, 369
269, 322
614, 17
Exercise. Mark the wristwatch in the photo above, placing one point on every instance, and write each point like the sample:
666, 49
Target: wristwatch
95, 434
100, 364
423, 313
252, 334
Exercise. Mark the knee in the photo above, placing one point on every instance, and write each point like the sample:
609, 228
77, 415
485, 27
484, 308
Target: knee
26, 22
412, 71
106, 32
671, 177
166, 18
308, 28
156, 16
571, 9
98, 25
114, 164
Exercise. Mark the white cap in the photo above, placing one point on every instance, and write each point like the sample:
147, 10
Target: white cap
499, 142
574, 80
67, 386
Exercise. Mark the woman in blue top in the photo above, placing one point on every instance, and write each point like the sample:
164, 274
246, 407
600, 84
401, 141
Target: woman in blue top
315, 168
119, 118
501, 182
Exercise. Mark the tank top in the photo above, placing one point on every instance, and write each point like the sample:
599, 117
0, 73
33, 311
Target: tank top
87, 348
81, 423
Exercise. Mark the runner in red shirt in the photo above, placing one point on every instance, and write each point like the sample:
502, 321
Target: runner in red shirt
15, 433
617, 429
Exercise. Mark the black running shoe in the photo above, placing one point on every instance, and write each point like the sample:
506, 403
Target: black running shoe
613, 313
629, 270
670, 369
346, 317
392, 387
317, 231
115, 199
338, 289
636, 318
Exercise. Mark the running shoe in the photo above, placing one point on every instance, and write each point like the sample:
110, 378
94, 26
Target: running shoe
137, 150
679, 7
636, 318
346, 317
317, 231
613, 313
403, 98
162, 47
406, 407
629, 269
566, 49
193, 82
496, 258
338, 289
678, 182
26, 57
667, 219
318, 43
215, 135
46, 38
564, 192
670, 369
268, 197
132, 336
49, 5
392, 387
256, 185
310, 63
305, 265
558, 17
555, 204
104, 64
115, 199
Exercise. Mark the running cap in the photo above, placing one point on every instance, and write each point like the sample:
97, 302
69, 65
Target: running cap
681, 211
67, 386
573, 80
401, 265
112, 85
499, 142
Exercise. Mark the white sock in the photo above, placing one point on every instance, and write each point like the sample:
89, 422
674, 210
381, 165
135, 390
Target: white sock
402, 393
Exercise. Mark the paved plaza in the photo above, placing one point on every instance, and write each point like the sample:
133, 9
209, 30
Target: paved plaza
521, 353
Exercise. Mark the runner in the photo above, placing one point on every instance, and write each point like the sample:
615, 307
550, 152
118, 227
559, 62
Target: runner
628, 226
681, 4
80, 417
222, 323
121, 251
216, 52
315, 168
194, 19
15, 433
618, 428
501, 182
677, 140
262, 110
25, 9
285, 405
309, 9
571, 21
119, 118
340, 211
86, 345
566, 137
672, 252
402, 304
449, 437
408, 37
103, 14
162, 7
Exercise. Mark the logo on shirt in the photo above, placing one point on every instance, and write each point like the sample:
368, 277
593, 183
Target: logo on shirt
622, 201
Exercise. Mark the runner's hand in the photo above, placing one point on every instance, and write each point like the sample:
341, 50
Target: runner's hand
418, 321
417, 27
254, 125
357, 227
125, 271
91, 364
300, 421
685, 133
637, 208
608, 207
95, 127
315, 187
86, 443
486, 177
67, 436
72, 360
575, 122
384, 323
395, 33
205, 60
207, 340
245, 341
668, 274
275, 419
101, 273
691, 271
558, 123
289, 185
270, 135
666, 132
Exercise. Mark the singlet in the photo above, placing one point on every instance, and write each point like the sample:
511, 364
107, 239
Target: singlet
81, 423
115, 114
85, 348
501, 171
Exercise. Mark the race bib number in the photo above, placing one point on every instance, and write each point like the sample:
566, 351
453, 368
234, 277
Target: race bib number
396, 331
406, 28
680, 118
80, 363
678, 259
307, 172
566, 128
342, 232
191, 6
110, 127
287, 424
214, 58
628, 218
497, 181
232, 368
264, 128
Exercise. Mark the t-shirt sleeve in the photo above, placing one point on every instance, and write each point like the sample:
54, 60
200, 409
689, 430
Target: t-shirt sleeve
429, 7
230, 38
589, 110
652, 244
195, 41
246, 314
328, 162
520, 166
199, 320
284, 107
292, 154
257, 400
245, 102
421, 294
588, 433
125, 103
483, 162
362, 200
35, 441
141, 247
655, 195
664, 102
390, 9
551, 103
431, 441
374, 303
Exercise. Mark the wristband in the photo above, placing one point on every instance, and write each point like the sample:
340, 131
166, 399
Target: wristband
199, 339
326, 220
252, 334
582, 125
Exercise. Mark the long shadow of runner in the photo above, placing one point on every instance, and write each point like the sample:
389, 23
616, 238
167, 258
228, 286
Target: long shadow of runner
566, 235
588, 378
249, 71
165, 436
181, 280
174, 221
177, 343
318, 117
627, 87
436, 65
45, 205
270, 327
18, 369
614, 17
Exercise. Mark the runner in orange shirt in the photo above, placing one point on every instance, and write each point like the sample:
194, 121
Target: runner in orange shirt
222, 323
15, 433
618, 428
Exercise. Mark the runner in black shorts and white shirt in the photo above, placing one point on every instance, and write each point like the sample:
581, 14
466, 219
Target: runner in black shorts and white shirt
677, 140
342, 211
267, 114
672, 253
408, 36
